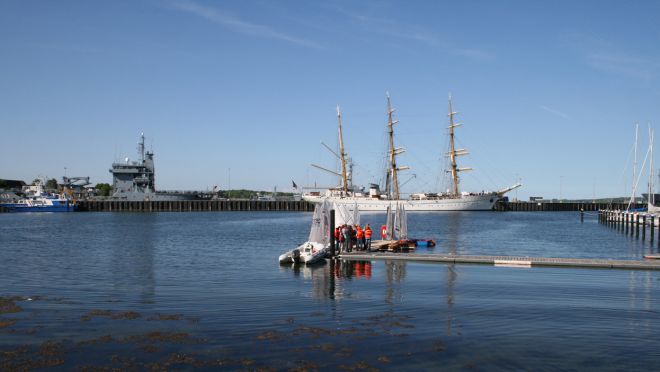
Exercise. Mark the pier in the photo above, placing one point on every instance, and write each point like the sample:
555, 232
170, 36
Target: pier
214, 205
510, 261
631, 223
568, 206
194, 205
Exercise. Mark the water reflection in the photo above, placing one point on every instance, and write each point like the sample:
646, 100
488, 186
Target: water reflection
132, 257
395, 273
324, 275
451, 244
352, 269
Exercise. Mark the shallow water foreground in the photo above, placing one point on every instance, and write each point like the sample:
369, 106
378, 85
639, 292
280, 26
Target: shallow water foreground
204, 291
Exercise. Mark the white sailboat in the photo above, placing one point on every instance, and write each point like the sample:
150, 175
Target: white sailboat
374, 200
315, 248
396, 223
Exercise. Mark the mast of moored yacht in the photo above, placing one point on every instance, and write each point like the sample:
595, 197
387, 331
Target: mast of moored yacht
453, 152
634, 170
342, 154
392, 181
651, 197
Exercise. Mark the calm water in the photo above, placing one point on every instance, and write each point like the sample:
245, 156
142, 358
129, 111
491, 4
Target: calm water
205, 291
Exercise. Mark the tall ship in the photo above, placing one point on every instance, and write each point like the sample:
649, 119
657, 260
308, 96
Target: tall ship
376, 200
136, 180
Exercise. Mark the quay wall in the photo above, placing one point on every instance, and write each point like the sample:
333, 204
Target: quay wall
303, 206
193, 206
522, 206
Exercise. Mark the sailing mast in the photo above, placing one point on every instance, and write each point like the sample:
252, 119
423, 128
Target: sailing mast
651, 197
392, 181
634, 171
453, 152
342, 155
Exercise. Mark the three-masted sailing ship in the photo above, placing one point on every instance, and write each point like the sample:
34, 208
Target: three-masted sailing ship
375, 200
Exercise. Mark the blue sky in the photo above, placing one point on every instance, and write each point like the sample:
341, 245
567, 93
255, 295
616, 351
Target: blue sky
242, 92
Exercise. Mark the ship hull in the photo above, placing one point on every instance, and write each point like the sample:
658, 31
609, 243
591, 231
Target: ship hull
49, 208
480, 202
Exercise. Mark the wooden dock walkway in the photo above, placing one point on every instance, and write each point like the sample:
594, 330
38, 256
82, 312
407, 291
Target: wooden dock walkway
515, 261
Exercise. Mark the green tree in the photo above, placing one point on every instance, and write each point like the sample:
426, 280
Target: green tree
4, 184
51, 184
103, 189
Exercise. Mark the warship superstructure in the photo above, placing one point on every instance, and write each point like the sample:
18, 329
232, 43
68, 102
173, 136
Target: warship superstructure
136, 180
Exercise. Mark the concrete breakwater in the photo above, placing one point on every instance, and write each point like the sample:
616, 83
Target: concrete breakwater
303, 206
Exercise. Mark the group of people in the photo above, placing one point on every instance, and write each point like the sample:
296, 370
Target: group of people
348, 238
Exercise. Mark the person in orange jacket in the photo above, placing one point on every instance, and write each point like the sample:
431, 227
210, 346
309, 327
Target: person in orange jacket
360, 238
367, 237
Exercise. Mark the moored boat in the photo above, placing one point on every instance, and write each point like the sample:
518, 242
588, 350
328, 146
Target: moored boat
316, 247
36, 199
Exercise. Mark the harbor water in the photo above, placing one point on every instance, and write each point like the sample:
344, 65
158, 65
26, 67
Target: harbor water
205, 291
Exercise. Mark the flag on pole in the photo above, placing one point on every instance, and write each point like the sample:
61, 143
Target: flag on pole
294, 184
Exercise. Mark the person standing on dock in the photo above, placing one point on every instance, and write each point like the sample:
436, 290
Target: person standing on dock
353, 237
346, 234
340, 239
360, 238
367, 237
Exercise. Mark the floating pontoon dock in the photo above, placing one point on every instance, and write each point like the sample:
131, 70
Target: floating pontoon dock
516, 261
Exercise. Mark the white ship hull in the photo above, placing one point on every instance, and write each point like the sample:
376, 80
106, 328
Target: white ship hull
478, 202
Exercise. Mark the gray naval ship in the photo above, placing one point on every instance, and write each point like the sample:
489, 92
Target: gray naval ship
136, 180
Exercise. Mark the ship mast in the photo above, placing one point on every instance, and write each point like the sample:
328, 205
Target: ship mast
392, 181
453, 152
342, 155
141, 148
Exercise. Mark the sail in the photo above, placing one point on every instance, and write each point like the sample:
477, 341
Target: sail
346, 215
356, 215
389, 223
320, 230
315, 232
401, 227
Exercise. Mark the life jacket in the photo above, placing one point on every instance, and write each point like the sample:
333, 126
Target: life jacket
367, 232
360, 234
337, 233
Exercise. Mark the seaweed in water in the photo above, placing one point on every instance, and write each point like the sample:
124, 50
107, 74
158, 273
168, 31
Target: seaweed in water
130, 315
8, 305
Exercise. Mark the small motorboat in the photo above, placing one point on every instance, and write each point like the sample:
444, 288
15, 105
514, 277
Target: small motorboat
291, 256
316, 246
312, 252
